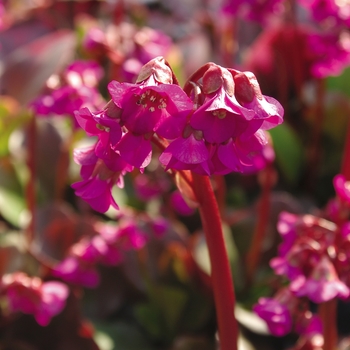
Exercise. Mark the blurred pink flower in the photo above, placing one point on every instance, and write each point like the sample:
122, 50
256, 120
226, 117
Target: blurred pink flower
179, 204
276, 314
322, 284
75, 270
31, 295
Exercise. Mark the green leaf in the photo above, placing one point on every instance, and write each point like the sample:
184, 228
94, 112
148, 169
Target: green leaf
10, 119
340, 83
289, 152
162, 315
12, 203
151, 319
171, 301
120, 336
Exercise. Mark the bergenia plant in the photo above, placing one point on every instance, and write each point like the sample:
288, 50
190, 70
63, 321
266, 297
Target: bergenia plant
214, 126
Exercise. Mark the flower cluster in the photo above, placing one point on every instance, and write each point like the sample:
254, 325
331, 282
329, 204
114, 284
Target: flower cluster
331, 11
31, 295
126, 45
253, 10
216, 125
315, 257
108, 247
75, 88
285, 312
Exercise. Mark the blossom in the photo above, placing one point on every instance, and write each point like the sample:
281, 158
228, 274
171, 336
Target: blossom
332, 53
151, 107
335, 12
253, 9
221, 131
314, 255
322, 284
277, 312
99, 177
226, 132
127, 235
76, 87
179, 204
31, 295
75, 270
342, 187
147, 44
148, 186
104, 125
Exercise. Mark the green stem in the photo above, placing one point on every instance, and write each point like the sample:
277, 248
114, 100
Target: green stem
30, 187
221, 276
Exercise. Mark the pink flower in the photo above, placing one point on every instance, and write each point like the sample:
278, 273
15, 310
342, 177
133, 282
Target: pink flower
83, 73
253, 10
99, 177
332, 11
241, 154
204, 158
147, 45
31, 295
76, 88
127, 235
322, 284
225, 133
75, 270
342, 187
97, 192
266, 109
221, 117
103, 124
179, 204
332, 52
151, 107
276, 315
148, 186
187, 152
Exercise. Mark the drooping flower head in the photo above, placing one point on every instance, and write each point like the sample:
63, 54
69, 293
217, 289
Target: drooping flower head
227, 127
216, 125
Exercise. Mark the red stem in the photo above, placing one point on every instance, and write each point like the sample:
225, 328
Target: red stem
345, 169
253, 255
315, 147
328, 314
221, 276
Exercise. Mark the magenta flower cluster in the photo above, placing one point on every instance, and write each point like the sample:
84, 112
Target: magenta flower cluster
107, 247
285, 312
314, 256
74, 88
31, 295
216, 125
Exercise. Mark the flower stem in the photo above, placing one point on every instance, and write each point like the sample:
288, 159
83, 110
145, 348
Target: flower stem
328, 315
221, 276
253, 255
345, 169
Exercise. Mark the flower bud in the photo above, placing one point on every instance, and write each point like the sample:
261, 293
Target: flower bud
159, 69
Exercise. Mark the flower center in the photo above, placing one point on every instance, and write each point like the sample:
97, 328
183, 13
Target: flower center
151, 100
220, 113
